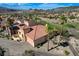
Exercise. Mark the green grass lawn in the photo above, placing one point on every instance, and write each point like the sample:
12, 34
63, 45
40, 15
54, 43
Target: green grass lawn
65, 26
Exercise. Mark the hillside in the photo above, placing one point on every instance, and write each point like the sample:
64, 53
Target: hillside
64, 9
6, 10
40, 11
55, 10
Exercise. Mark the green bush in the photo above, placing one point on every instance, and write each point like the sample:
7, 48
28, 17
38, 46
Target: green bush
66, 52
29, 53
72, 17
2, 51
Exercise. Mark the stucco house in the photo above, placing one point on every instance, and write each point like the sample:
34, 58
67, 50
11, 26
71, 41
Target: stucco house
34, 35
17, 31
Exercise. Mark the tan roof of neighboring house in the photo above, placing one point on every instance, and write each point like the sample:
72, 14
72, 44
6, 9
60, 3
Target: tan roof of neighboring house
40, 32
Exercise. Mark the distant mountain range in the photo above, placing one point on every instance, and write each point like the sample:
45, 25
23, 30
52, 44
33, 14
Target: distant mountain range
7, 10
64, 9
56, 10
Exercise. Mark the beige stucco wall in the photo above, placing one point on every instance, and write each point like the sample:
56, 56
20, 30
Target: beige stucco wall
15, 38
30, 41
36, 42
40, 40
21, 34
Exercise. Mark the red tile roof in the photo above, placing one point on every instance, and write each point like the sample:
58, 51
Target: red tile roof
40, 32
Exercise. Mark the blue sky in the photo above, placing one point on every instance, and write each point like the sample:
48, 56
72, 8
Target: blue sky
36, 5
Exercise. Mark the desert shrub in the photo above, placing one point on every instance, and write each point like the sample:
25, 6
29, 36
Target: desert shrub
72, 17
29, 53
2, 51
66, 52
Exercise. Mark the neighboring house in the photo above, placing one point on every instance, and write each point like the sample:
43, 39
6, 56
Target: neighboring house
14, 32
17, 32
32, 34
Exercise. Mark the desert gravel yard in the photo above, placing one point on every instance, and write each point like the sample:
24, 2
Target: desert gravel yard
14, 48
